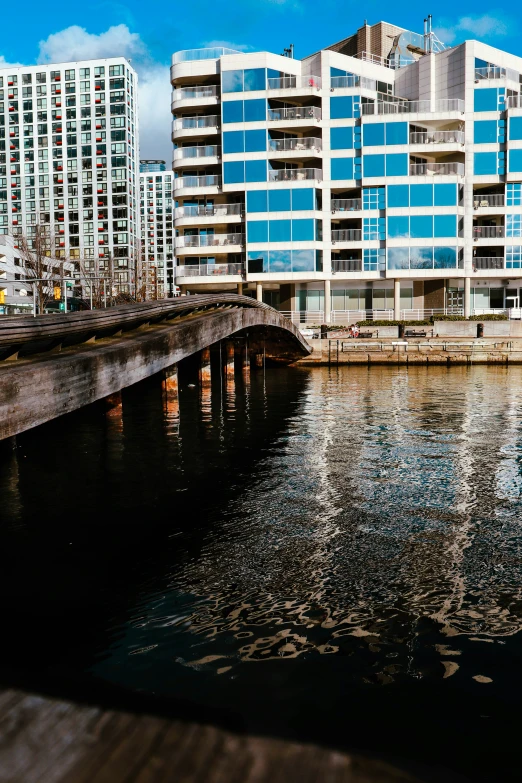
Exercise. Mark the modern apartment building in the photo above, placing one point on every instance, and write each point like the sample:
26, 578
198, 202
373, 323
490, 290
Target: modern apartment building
156, 216
69, 160
380, 177
152, 165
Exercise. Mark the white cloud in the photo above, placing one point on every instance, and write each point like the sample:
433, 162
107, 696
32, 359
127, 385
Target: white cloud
486, 26
75, 43
155, 115
5, 64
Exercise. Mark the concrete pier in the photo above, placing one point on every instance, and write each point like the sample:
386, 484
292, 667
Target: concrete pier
205, 376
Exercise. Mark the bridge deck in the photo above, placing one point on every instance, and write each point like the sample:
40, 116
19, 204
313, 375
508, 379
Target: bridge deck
45, 739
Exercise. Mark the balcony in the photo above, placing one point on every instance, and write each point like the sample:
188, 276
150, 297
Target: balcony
294, 83
496, 72
290, 113
205, 151
488, 200
209, 270
488, 232
204, 122
414, 107
217, 210
514, 102
195, 93
345, 205
210, 240
347, 265
345, 82
295, 145
347, 235
437, 137
213, 53
285, 175
487, 263
436, 169
205, 181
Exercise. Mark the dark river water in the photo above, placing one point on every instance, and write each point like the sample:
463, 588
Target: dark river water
326, 554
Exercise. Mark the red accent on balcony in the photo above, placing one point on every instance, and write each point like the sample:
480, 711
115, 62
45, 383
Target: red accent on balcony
57, 92
12, 133
15, 221
97, 100
59, 168
99, 138
11, 108
101, 229
60, 218
13, 160
101, 242
61, 231
58, 116
59, 181
10, 84
14, 198
62, 244
98, 127
60, 206
100, 190
10, 95
58, 143
100, 203
12, 147
13, 171
97, 87
57, 78
99, 165
58, 103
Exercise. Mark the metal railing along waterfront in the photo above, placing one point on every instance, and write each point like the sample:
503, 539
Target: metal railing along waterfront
347, 235
209, 53
423, 314
196, 123
437, 169
488, 263
205, 151
289, 113
208, 270
316, 317
346, 204
295, 145
414, 107
488, 232
194, 93
488, 200
205, 181
216, 210
347, 265
209, 240
294, 82
284, 175
437, 137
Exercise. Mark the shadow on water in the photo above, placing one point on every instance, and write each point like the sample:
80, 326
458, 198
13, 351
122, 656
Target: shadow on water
324, 554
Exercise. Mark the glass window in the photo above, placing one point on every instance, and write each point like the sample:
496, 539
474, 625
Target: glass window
515, 160
280, 231
373, 134
514, 194
513, 225
232, 81
486, 99
257, 201
398, 226
445, 226
485, 132
258, 261
373, 165
303, 230
373, 198
280, 260
445, 258
254, 79
513, 256
397, 165
346, 106
445, 195
396, 133
257, 231
373, 228
398, 258
255, 171
234, 171
421, 226
233, 141
255, 141
255, 110
302, 260
342, 168
515, 128
302, 198
341, 138
421, 258
421, 195
232, 111
398, 196
485, 163
279, 200
373, 261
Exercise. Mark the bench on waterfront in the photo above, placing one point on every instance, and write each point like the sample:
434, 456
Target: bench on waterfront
415, 333
365, 335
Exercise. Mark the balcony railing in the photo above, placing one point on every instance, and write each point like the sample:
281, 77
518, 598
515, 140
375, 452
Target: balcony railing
414, 107
213, 53
488, 263
294, 113
437, 137
347, 235
353, 80
488, 200
488, 232
347, 265
210, 240
195, 123
436, 169
496, 72
206, 151
216, 210
205, 181
294, 82
284, 175
194, 93
295, 145
346, 204
514, 102
208, 270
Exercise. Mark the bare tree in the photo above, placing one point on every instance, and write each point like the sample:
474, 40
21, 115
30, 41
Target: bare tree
37, 254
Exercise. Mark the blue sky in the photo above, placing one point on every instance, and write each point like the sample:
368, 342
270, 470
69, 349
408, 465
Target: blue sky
148, 33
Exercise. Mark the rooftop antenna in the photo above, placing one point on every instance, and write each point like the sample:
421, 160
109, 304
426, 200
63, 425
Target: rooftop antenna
289, 52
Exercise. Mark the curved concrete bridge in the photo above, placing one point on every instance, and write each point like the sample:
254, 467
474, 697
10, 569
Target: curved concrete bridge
52, 365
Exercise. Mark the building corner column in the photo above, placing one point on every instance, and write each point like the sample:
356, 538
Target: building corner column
327, 302
467, 297
396, 300
259, 292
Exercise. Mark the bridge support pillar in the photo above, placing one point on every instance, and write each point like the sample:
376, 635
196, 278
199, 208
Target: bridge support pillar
171, 390
229, 360
259, 292
204, 368
240, 289
259, 360
113, 406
